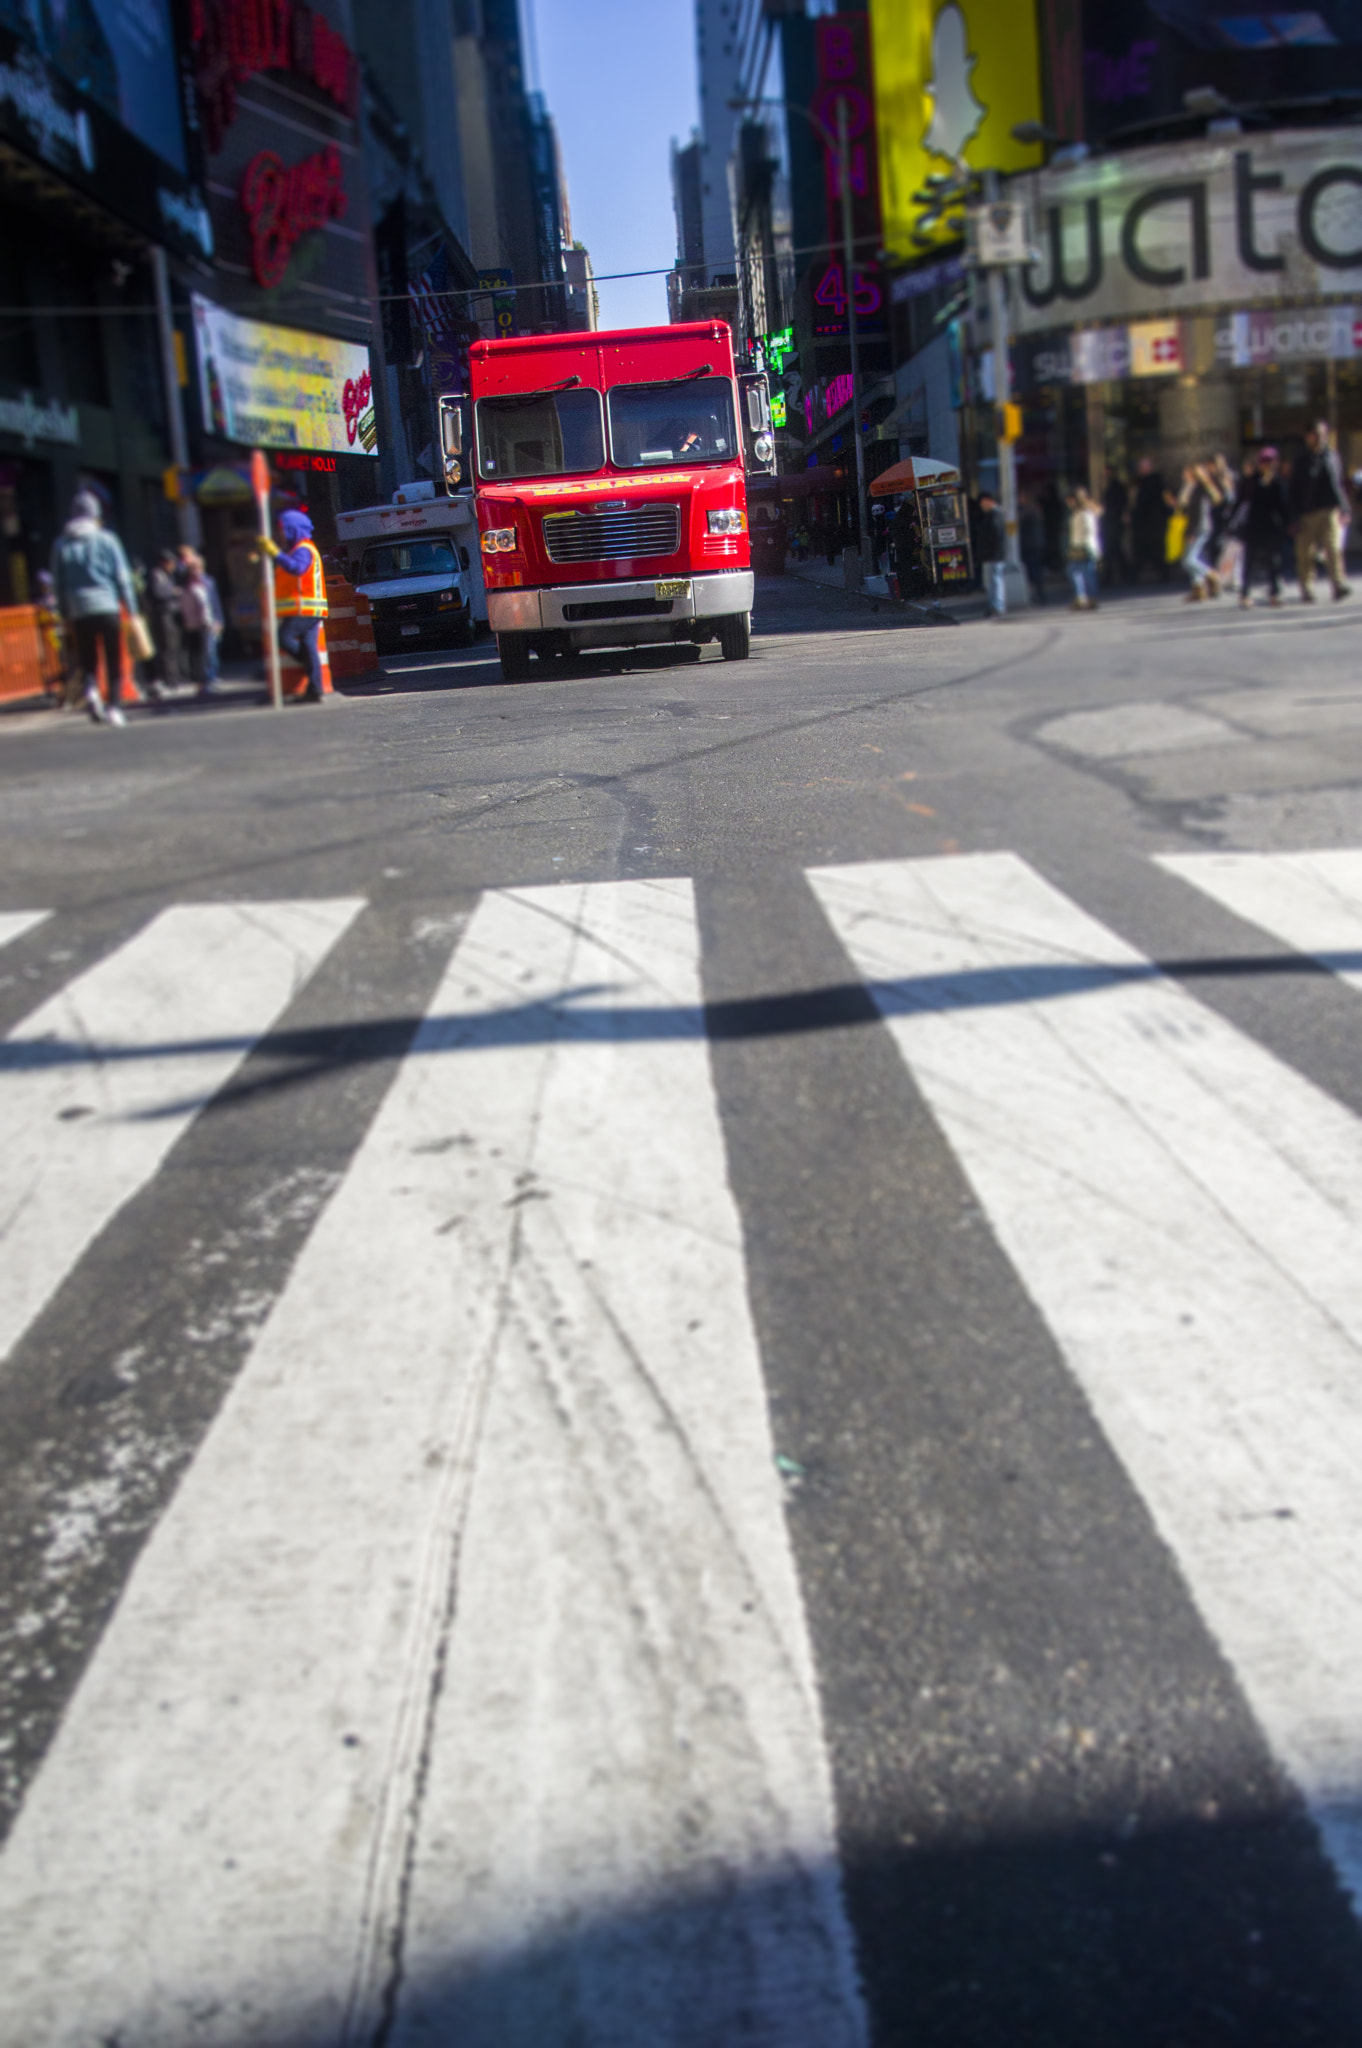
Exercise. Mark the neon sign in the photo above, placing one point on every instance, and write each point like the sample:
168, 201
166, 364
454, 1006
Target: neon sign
284, 202
235, 39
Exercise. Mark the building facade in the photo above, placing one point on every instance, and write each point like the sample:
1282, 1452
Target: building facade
101, 174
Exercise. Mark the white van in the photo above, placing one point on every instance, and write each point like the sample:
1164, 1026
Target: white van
417, 561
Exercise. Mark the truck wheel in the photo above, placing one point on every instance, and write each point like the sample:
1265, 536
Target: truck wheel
514, 650
735, 636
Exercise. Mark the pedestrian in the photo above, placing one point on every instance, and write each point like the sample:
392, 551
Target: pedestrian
201, 615
1149, 521
1031, 545
1263, 515
93, 583
988, 538
163, 605
299, 597
1115, 505
1084, 549
1316, 496
1196, 502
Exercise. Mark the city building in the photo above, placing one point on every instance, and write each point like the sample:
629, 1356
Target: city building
101, 177
286, 334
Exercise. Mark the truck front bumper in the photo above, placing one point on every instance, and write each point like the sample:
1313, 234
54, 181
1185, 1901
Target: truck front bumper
610, 614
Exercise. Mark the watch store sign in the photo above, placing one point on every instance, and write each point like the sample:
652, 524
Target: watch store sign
1176, 227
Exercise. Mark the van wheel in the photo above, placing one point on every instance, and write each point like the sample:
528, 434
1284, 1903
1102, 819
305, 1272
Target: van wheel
514, 649
735, 636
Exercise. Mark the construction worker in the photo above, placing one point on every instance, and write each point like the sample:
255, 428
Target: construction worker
299, 597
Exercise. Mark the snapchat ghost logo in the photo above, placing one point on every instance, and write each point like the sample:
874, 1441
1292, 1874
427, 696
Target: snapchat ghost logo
956, 114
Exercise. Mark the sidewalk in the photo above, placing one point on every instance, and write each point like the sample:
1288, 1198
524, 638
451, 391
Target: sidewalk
962, 610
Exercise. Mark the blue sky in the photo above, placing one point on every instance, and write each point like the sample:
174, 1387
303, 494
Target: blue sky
619, 77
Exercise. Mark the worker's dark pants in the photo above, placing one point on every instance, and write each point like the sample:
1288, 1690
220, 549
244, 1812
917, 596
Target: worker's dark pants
298, 637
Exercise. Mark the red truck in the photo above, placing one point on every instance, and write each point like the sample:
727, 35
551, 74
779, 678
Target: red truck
610, 472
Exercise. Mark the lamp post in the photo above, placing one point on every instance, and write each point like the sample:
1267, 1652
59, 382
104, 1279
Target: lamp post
841, 143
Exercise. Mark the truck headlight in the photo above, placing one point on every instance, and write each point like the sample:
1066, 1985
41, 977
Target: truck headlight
763, 447
731, 520
446, 597
499, 540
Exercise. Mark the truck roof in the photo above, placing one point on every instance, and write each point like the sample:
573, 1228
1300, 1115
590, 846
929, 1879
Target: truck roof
601, 358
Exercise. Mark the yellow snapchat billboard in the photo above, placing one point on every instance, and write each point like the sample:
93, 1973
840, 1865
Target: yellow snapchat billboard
952, 79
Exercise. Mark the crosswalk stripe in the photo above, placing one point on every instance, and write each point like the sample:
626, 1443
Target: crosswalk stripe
1311, 901
473, 1633
97, 1084
14, 923
1184, 1210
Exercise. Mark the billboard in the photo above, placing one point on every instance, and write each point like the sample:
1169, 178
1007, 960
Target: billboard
1176, 227
952, 78
94, 89
278, 387
1116, 63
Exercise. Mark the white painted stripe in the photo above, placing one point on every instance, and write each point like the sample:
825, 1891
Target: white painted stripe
14, 923
1185, 1211
1312, 901
476, 1614
97, 1084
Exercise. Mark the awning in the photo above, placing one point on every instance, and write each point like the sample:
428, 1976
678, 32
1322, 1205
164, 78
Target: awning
912, 475
800, 483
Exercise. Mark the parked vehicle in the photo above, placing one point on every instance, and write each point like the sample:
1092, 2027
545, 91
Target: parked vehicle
610, 473
416, 561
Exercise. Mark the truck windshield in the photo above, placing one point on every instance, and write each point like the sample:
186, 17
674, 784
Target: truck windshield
545, 433
407, 558
661, 423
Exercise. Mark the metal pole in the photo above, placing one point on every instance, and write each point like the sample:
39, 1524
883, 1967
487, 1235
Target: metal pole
849, 280
186, 511
1002, 391
260, 480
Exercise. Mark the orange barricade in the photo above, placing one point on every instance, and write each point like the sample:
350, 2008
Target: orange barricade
352, 633
22, 669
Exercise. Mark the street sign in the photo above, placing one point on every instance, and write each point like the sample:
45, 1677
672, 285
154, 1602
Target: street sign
998, 234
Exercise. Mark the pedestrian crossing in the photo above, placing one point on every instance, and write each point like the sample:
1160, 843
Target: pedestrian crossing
475, 1623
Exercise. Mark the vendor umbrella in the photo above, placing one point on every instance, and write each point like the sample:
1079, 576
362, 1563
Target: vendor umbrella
912, 475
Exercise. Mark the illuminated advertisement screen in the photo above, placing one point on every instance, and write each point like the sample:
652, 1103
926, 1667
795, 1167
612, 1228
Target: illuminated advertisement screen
118, 53
278, 387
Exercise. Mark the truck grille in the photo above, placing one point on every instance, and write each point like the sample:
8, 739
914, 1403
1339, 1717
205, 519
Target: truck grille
608, 535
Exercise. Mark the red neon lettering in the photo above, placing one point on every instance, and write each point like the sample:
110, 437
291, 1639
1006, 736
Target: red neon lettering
283, 203
234, 39
354, 401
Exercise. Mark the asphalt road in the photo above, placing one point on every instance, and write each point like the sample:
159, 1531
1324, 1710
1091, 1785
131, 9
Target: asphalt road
681, 1347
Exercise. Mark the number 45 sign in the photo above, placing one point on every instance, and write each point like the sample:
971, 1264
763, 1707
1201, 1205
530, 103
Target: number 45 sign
831, 291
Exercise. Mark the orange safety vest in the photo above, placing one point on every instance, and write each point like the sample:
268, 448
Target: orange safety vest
302, 596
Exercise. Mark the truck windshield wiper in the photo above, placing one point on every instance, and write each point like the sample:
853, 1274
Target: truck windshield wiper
519, 397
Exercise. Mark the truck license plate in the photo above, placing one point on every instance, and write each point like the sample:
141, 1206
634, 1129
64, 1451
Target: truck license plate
679, 587
411, 629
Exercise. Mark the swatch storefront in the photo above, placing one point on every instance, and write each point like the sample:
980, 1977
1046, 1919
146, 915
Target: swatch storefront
1190, 298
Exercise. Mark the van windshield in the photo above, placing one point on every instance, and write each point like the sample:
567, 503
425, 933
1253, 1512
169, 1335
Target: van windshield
545, 433
652, 424
407, 558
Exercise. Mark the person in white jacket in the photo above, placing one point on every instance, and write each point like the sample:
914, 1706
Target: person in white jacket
1084, 549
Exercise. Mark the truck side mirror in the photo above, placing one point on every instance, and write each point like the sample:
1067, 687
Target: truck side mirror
755, 409
451, 440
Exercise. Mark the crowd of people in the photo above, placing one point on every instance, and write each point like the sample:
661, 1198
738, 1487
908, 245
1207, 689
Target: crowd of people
173, 612
1225, 530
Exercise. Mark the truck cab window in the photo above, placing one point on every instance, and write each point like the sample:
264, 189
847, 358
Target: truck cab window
545, 433
655, 424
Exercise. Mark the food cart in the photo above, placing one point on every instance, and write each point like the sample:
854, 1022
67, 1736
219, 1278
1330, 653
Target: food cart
944, 560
